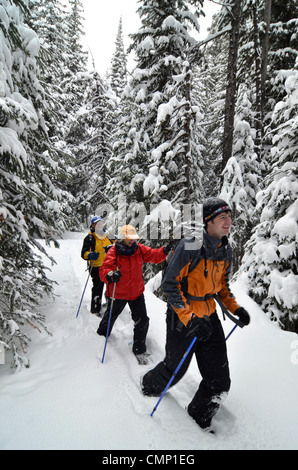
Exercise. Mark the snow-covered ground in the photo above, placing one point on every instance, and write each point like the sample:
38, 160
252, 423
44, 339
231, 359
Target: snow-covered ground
68, 399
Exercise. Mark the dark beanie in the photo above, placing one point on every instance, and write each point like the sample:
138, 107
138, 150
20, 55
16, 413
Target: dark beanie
213, 207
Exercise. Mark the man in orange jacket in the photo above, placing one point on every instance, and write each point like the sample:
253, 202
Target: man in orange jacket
123, 265
191, 281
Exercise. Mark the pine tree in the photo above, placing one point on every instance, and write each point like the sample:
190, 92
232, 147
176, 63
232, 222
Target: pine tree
125, 162
172, 110
240, 176
235, 17
29, 202
271, 258
158, 151
118, 74
75, 64
91, 131
258, 179
49, 20
211, 75
75, 31
74, 82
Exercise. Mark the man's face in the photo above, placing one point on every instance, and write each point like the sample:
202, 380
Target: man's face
220, 225
99, 226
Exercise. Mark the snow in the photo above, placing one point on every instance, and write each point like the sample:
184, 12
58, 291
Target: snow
69, 400
284, 289
9, 143
152, 181
147, 44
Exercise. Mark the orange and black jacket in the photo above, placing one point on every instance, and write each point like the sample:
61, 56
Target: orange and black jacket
194, 276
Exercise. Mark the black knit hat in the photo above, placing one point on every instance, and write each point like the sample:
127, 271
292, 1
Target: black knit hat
213, 207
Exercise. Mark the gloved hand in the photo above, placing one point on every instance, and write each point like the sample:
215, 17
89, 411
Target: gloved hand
199, 327
113, 276
170, 246
243, 315
93, 255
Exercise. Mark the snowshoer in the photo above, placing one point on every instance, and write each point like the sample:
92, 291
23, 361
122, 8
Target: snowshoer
190, 283
124, 266
94, 252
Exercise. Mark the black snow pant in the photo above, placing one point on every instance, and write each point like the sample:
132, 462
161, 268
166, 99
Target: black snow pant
139, 316
96, 292
212, 361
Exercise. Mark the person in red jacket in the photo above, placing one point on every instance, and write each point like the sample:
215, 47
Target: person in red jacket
123, 265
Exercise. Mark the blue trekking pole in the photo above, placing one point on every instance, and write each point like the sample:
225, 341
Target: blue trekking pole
233, 329
178, 367
108, 329
175, 373
84, 290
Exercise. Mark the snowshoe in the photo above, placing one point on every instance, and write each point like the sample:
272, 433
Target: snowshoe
203, 425
143, 359
95, 312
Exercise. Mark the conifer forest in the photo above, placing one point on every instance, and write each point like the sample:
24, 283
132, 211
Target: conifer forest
192, 119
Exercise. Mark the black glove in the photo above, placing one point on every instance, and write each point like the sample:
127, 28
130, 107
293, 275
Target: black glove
243, 315
199, 327
93, 255
170, 246
113, 276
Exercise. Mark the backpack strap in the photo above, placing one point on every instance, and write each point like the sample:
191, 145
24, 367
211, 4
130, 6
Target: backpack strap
195, 261
92, 242
206, 297
226, 312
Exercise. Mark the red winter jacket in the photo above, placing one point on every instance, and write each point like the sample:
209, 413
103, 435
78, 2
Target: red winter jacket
131, 284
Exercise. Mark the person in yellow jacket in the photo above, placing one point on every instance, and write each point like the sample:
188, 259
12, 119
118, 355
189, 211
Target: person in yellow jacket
94, 252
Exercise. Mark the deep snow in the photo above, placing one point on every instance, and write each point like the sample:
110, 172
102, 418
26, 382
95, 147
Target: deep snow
67, 399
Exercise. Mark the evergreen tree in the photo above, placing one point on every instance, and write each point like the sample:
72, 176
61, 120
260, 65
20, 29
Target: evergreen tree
75, 64
174, 152
271, 257
49, 20
91, 137
158, 151
235, 17
75, 32
240, 176
271, 251
125, 162
74, 83
29, 202
118, 74
213, 76
263, 136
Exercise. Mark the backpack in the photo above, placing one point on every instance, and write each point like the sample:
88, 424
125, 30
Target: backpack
201, 254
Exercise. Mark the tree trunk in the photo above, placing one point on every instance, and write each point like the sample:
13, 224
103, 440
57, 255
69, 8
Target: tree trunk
258, 65
231, 83
265, 47
261, 58
187, 129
